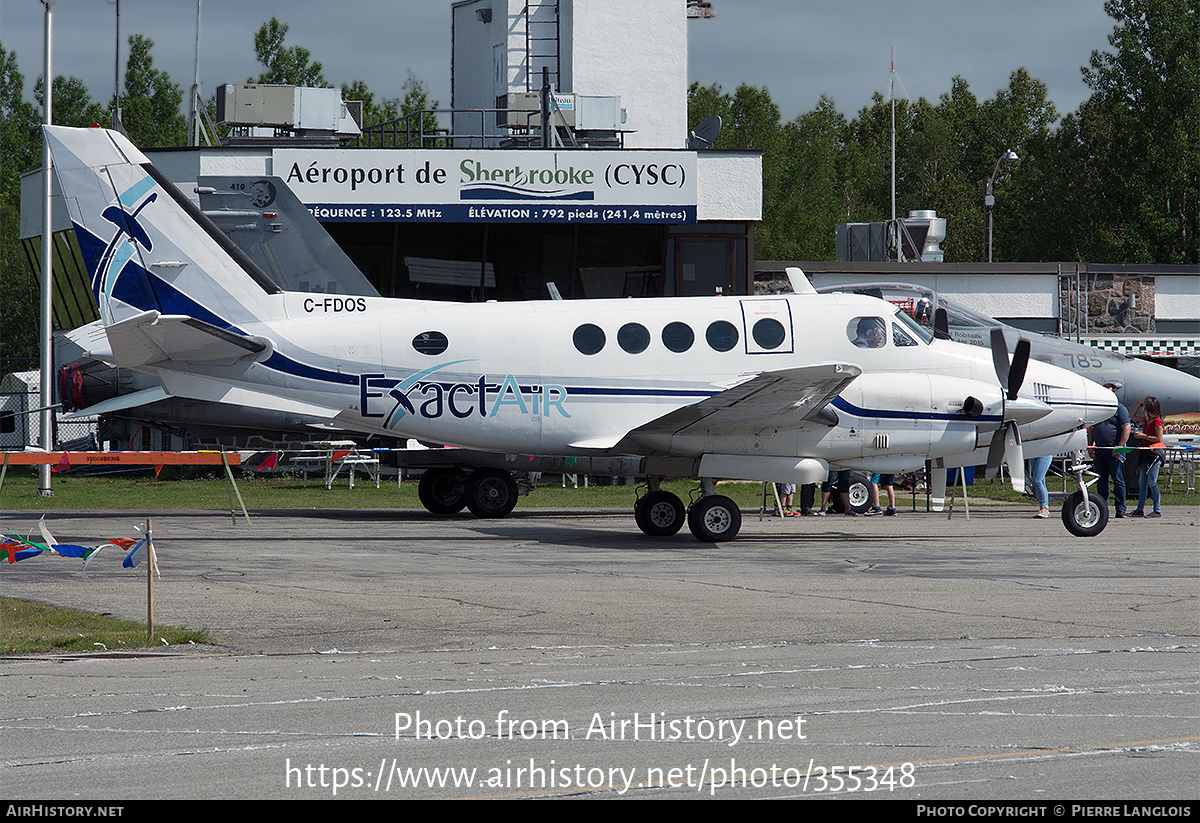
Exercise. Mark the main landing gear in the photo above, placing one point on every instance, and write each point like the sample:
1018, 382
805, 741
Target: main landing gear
492, 493
486, 492
713, 518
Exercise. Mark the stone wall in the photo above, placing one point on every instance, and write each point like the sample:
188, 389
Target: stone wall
1106, 300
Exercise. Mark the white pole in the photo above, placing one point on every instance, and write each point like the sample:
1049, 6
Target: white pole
194, 107
47, 347
892, 94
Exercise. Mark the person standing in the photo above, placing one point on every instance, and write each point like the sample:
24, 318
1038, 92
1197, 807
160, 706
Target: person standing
888, 483
1151, 435
1038, 466
1109, 436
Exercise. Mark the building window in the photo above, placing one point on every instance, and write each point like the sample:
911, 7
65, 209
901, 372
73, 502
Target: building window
722, 335
430, 342
589, 339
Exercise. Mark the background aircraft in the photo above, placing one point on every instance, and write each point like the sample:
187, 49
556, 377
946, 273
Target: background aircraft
1177, 391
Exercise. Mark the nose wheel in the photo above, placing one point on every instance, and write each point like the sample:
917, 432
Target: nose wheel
1085, 515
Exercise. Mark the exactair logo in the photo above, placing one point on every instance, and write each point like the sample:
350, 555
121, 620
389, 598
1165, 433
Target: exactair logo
419, 396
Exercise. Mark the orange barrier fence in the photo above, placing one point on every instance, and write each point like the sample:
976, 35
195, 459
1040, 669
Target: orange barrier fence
66, 460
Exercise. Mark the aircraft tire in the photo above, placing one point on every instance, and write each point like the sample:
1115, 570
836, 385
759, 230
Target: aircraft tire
491, 493
714, 519
860, 494
441, 491
1085, 518
660, 514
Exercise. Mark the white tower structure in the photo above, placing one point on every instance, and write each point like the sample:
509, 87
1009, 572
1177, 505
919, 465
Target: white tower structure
591, 51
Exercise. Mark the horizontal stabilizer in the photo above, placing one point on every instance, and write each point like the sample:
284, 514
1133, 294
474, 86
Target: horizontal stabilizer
198, 387
121, 403
150, 337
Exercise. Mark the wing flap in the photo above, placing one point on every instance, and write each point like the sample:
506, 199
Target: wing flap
771, 400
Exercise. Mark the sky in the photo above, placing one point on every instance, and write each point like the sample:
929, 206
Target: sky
797, 50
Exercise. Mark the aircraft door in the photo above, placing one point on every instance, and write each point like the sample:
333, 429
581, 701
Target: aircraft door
767, 326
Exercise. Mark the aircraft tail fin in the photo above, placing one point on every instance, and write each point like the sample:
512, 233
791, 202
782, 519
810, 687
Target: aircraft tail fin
146, 245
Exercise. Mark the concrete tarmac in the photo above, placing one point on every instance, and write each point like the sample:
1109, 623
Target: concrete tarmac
391, 654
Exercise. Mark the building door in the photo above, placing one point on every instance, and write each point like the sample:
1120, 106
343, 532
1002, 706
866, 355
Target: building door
704, 267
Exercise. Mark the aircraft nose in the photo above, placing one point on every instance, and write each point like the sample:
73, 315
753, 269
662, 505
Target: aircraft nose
1177, 392
1099, 403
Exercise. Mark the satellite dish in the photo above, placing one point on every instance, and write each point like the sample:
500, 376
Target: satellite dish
705, 134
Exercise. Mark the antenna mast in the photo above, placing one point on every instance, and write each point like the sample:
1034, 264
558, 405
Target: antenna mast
892, 94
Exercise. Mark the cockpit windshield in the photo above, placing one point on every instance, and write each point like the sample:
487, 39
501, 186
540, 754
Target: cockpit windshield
917, 304
924, 332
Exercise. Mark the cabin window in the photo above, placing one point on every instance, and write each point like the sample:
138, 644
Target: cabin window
633, 338
867, 332
769, 333
678, 337
430, 342
722, 335
589, 338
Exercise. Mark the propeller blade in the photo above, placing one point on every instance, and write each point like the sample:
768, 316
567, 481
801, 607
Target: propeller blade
1016, 372
995, 453
941, 325
1000, 356
937, 489
1014, 457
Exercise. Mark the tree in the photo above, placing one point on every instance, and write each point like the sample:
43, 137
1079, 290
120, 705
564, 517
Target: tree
750, 120
20, 130
20, 151
73, 104
150, 108
813, 198
1144, 118
374, 112
285, 66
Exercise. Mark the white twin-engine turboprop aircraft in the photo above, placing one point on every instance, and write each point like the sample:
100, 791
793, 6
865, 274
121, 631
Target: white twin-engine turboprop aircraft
756, 388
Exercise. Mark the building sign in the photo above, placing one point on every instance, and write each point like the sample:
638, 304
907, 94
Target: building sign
492, 186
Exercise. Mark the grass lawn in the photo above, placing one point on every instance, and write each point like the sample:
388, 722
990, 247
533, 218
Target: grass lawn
27, 628
184, 489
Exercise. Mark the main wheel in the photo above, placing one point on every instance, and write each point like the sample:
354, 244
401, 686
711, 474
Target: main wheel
1085, 517
441, 491
491, 493
860, 492
659, 514
714, 519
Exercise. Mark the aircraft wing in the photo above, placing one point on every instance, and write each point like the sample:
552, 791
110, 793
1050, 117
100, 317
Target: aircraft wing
771, 400
151, 337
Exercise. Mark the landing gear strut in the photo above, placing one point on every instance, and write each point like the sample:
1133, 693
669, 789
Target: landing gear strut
1085, 514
